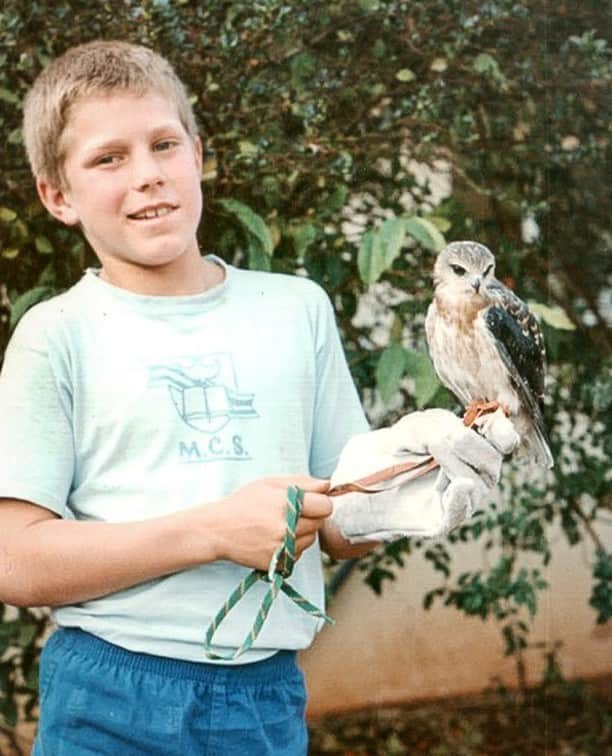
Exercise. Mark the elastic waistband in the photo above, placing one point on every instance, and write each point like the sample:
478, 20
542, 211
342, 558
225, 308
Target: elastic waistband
80, 642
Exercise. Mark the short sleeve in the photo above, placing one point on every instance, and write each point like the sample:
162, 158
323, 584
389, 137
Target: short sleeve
36, 440
338, 411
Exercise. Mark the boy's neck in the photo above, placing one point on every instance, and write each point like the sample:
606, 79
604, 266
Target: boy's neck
194, 276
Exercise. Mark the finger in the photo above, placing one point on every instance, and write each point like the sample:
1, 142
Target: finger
304, 542
308, 526
305, 482
316, 505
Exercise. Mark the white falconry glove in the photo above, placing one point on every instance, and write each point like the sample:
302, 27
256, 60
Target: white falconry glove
433, 504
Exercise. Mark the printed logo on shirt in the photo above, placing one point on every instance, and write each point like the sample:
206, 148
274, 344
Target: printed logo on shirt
221, 446
204, 392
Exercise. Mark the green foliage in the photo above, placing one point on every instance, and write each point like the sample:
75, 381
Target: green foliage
394, 363
20, 634
556, 717
601, 597
390, 370
346, 141
259, 239
382, 246
28, 299
420, 369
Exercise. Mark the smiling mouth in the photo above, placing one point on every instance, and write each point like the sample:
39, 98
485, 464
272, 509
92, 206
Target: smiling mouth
152, 212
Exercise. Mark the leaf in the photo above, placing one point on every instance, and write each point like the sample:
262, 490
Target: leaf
487, 65
442, 224
8, 710
9, 97
9, 629
483, 62
258, 259
10, 253
43, 245
336, 198
438, 65
405, 75
21, 229
15, 137
253, 223
425, 232
7, 215
47, 276
601, 591
390, 369
28, 299
247, 148
420, 369
27, 633
209, 169
379, 49
379, 248
303, 66
337, 271
303, 237
555, 316
369, 6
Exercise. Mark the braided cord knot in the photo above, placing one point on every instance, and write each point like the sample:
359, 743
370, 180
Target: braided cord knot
280, 568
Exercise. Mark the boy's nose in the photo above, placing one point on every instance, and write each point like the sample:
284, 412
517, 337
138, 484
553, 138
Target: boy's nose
147, 173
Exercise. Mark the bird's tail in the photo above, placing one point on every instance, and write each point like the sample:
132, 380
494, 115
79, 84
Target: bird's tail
537, 446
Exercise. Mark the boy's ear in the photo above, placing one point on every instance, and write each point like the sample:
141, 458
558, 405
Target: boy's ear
197, 148
57, 203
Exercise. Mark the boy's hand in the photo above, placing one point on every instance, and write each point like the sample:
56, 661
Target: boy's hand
49, 561
252, 520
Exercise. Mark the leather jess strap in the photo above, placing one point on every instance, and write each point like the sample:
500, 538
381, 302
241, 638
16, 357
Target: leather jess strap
474, 411
364, 485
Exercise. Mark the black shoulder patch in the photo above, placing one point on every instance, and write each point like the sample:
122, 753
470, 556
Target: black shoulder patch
523, 350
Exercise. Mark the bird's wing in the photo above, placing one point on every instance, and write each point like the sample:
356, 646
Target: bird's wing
520, 332
518, 339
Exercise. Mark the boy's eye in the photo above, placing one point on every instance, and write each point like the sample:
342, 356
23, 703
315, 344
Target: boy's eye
165, 144
107, 160
458, 270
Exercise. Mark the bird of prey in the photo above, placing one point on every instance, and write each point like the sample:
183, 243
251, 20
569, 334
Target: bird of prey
485, 344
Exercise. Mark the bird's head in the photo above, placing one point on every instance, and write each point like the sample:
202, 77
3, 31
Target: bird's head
463, 271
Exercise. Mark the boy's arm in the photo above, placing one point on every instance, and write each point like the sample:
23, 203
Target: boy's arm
49, 561
335, 545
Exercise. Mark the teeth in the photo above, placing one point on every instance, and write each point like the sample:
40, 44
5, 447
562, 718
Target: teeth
152, 213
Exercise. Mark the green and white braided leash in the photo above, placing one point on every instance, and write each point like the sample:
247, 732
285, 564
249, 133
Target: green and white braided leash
280, 568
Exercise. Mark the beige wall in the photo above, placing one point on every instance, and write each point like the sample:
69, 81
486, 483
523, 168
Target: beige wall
385, 650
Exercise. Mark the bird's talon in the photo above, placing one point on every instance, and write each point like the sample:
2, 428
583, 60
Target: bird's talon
477, 409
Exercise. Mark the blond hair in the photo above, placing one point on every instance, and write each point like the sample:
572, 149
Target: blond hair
94, 68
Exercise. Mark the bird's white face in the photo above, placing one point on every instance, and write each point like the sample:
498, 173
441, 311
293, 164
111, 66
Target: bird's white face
463, 272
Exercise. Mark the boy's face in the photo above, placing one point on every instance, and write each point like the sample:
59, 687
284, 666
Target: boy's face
132, 181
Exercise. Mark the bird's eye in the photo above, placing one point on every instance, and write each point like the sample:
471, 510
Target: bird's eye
458, 270
488, 270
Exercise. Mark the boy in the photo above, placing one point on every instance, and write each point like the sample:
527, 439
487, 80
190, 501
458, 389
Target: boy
147, 416
153, 417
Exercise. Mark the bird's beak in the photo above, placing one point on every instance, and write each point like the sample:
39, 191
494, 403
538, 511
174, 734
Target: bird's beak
475, 283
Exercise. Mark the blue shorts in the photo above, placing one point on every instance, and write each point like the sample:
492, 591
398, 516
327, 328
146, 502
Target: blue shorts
97, 698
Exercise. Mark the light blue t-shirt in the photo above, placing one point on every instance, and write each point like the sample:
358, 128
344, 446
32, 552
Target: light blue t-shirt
119, 407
